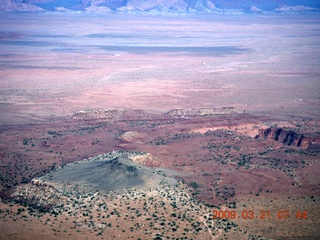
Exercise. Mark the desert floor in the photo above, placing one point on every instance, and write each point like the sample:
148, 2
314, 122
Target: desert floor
190, 91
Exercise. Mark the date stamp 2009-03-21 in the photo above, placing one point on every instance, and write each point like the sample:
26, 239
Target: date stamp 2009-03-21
262, 214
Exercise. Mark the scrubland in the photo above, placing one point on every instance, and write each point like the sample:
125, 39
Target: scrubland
190, 97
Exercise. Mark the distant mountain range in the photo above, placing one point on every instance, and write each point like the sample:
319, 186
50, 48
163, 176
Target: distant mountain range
161, 6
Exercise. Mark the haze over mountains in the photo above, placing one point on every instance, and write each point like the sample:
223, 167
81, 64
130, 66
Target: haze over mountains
161, 6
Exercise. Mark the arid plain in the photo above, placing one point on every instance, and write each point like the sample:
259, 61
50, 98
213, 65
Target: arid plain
201, 113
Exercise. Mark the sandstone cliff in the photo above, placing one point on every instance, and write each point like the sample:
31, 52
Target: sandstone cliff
286, 136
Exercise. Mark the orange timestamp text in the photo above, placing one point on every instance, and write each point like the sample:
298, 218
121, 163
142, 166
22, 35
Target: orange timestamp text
262, 214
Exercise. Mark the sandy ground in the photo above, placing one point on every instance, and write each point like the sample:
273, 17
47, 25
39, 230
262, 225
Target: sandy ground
264, 64
267, 67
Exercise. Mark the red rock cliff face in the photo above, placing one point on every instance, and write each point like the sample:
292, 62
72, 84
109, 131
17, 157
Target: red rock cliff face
286, 136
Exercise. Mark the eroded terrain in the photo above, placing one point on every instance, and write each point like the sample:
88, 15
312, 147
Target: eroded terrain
221, 157
174, 120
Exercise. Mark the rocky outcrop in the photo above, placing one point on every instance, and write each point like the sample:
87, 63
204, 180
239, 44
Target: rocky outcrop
113, 115
39, 182
201, 112
116, 115
142, 158
286, 136
40, 195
